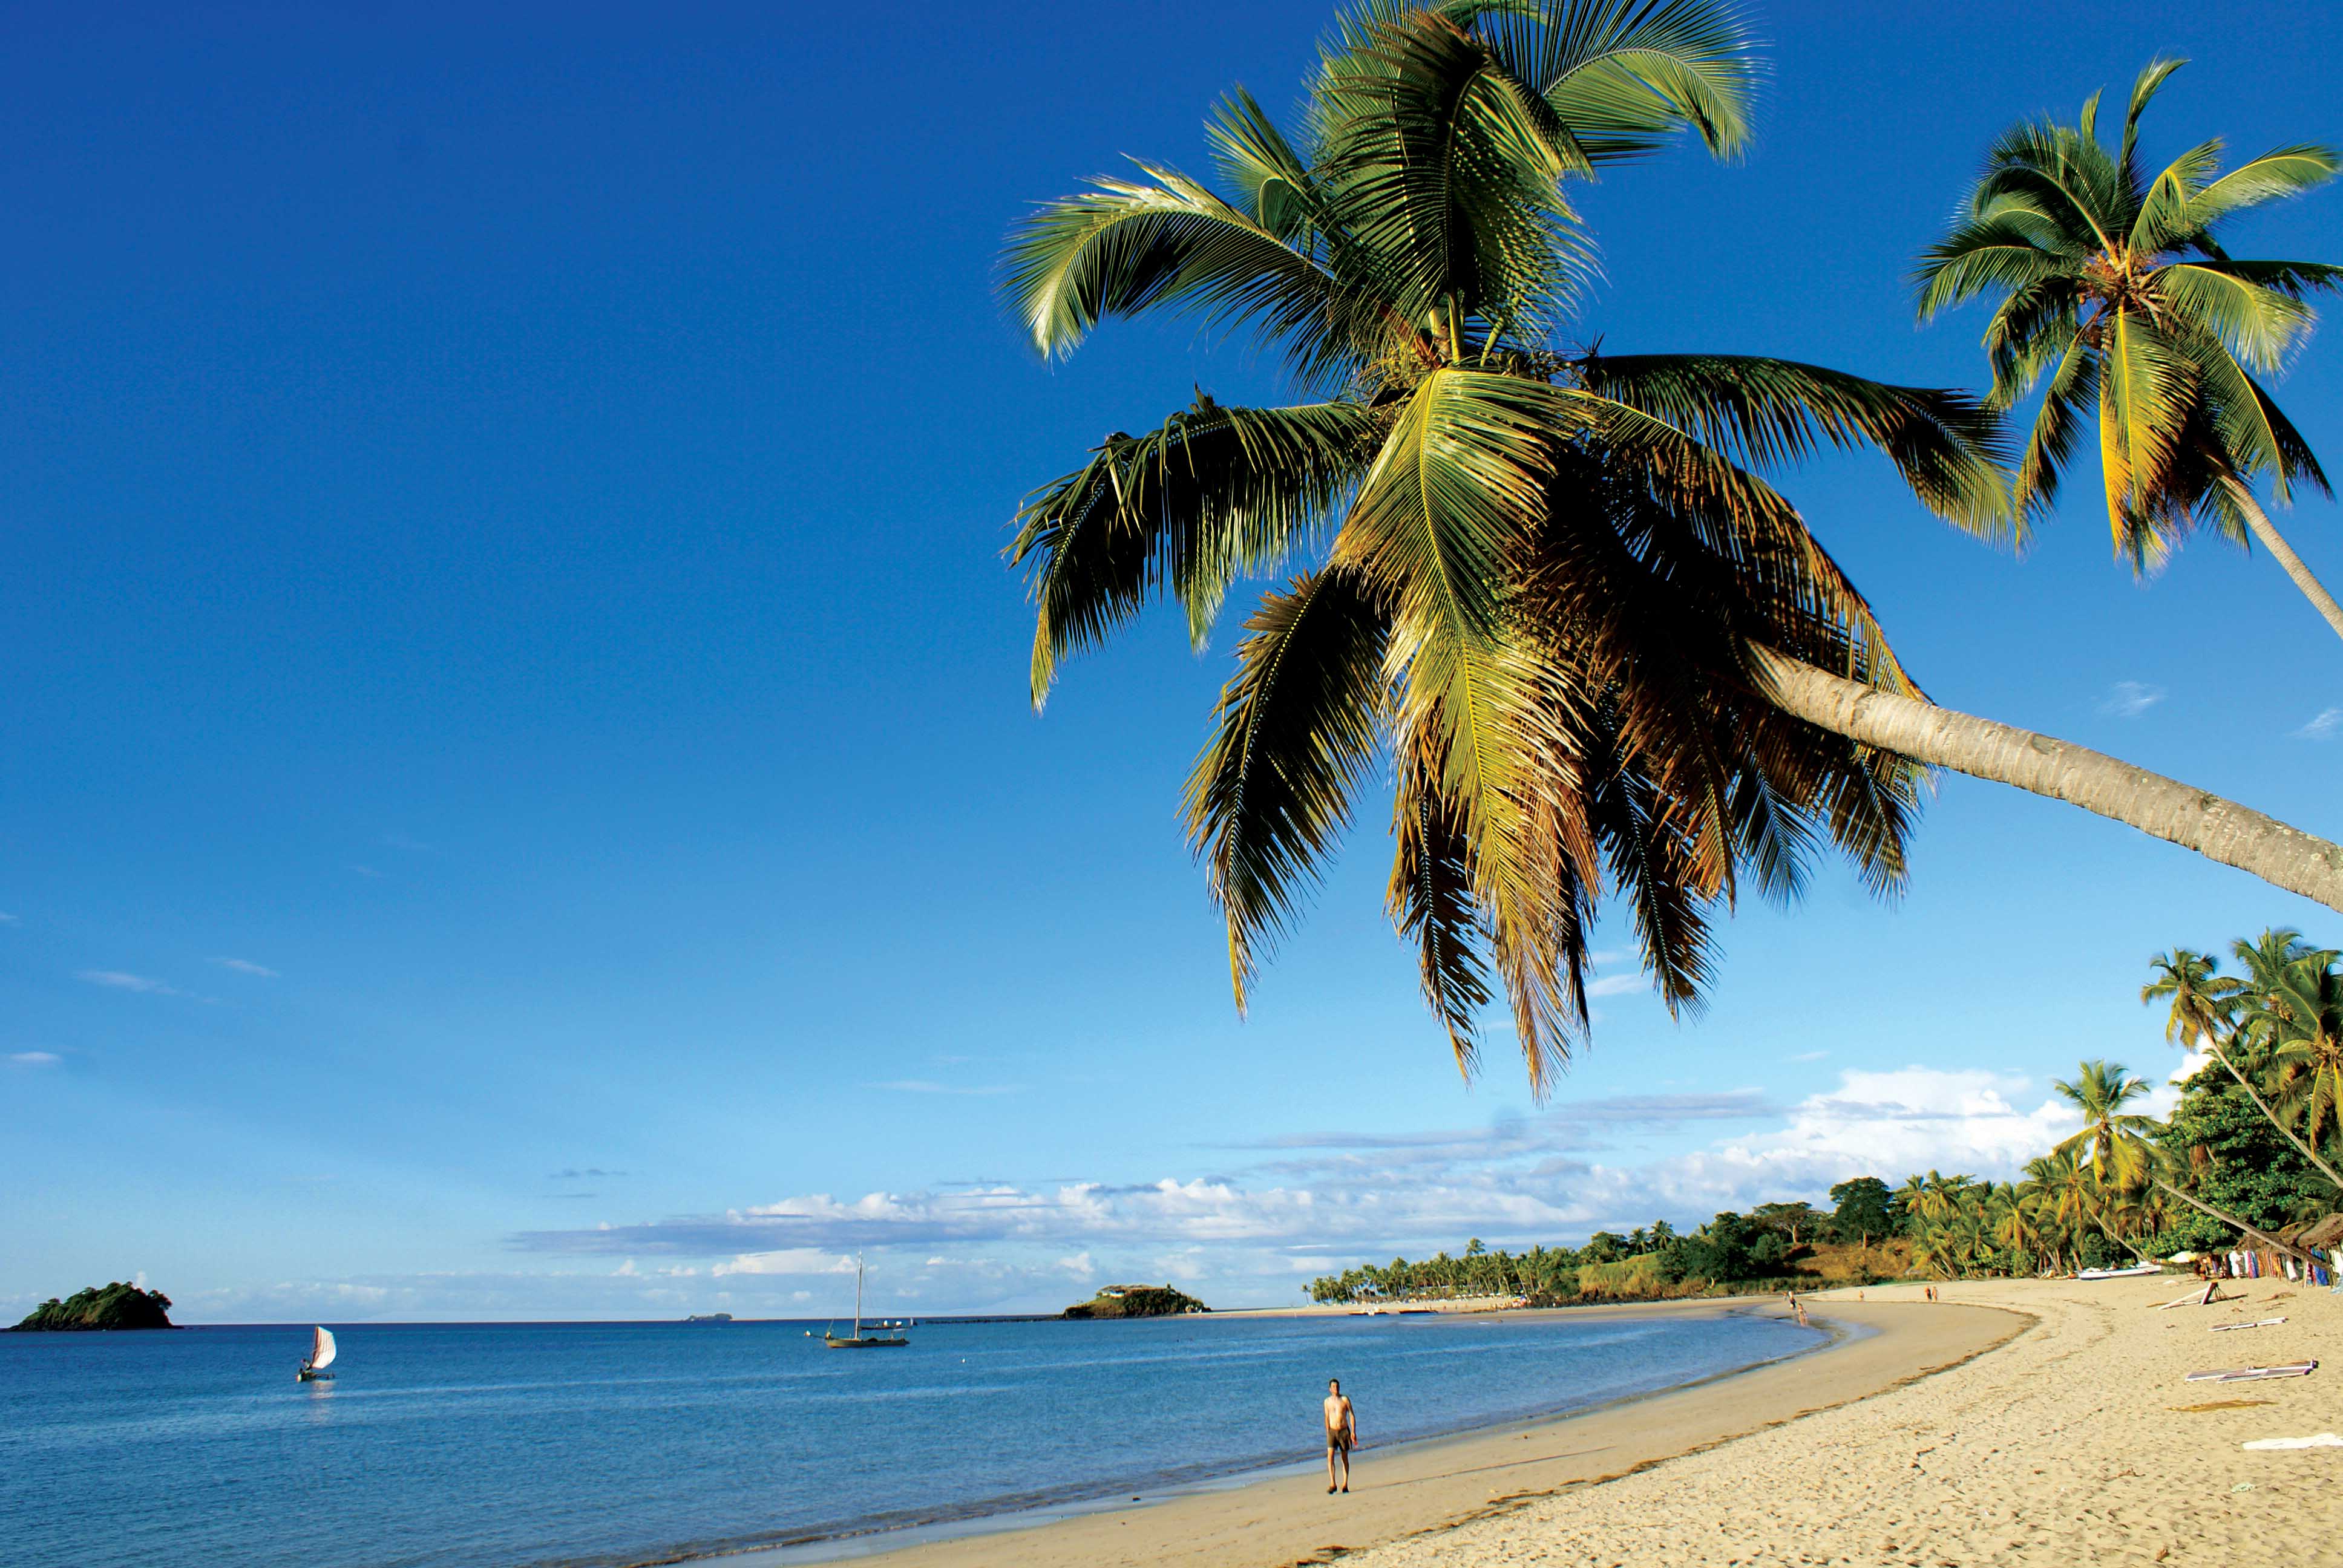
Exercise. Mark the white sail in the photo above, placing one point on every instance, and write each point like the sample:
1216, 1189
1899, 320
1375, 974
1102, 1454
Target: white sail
321, 1354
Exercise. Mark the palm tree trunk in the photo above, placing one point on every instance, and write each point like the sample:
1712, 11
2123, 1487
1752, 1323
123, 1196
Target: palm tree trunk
2263, 1237
2274, 542
2163, 808
2271, 1116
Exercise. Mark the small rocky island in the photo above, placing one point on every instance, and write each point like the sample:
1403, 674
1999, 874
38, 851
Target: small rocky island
1137, 1301
114, 1306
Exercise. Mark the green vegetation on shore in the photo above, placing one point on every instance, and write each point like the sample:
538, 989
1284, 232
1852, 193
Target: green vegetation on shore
1137, 1301
1775, 1246
114, 1306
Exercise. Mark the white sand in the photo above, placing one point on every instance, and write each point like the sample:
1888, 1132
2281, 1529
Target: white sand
2062, 1447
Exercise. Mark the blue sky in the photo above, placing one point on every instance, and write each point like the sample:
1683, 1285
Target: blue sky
520, 798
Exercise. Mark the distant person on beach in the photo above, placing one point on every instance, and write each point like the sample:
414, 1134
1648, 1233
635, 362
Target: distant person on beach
1342, 1434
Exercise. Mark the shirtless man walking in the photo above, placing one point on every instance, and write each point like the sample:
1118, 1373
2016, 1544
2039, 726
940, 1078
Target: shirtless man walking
1342, 1434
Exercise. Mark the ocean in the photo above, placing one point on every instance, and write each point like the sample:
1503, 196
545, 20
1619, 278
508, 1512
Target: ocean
598, 1446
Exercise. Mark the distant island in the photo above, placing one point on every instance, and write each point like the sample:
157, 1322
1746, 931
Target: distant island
114, 1306
710, 1318
1137, 1301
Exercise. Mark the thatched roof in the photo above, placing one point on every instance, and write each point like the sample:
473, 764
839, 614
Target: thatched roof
2327, 1232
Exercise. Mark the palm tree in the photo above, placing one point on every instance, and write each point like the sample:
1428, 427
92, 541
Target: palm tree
2297, 1019
2113, 285
1596, 653
2070, 1199
2205, 1008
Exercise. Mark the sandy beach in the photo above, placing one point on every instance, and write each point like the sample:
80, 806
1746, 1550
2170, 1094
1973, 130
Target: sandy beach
2017, 1422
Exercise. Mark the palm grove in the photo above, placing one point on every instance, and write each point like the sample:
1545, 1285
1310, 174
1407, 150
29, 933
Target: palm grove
1546, 596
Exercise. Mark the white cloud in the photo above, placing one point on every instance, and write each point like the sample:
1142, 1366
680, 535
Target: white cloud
246, 966
1810, 1055
1078, 1265
1614, 985
2130, 698
8, 920
35, 1058
119, 979
2322, 727
786, 1261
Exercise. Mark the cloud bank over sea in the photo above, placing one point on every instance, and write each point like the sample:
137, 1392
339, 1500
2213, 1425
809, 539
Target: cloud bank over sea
1247, 1225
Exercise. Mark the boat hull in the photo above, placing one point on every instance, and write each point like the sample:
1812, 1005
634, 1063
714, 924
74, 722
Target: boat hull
864, 1344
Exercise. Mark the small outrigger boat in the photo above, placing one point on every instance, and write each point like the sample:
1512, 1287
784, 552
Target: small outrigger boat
857, 1340
321, 1356
2137, 1271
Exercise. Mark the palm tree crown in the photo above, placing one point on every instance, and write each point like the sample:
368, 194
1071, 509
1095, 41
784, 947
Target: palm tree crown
2113, 291
2117, 1141
1534, 583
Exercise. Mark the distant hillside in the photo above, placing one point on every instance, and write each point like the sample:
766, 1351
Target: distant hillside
1137, 1301
115, 1306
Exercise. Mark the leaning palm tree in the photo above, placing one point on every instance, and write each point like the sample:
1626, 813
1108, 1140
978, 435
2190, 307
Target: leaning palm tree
1541, 589
2205, 1012
2296, 1020
2113, 285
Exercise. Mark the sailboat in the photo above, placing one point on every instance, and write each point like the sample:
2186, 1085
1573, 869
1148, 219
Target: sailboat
321, 1356
857, 1340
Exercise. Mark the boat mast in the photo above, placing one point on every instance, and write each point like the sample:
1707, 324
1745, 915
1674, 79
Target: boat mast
858, 1295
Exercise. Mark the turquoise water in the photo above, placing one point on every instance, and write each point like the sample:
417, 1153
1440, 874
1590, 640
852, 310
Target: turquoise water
531, 1445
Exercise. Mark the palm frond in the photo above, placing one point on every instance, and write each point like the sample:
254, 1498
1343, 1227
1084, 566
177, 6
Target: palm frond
2283, 172
1445, 169
1458, 485
1626, 75
2005, 249
1766, 413
2165, 221
2258, 324
2144, 89
1429, 902
1121, 248
1257, 159
2144, 383
1296, 731
1214, 493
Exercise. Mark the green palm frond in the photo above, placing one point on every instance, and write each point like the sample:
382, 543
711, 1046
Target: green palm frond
2145, 384
2163, 221
1447, 171
1214, 494
1458, 484
2276, 176
1121, 248
2007, 249
1273, 177
1429, 901
1627, 78
2257, 324
1297, 729
2144, 88
1768, 413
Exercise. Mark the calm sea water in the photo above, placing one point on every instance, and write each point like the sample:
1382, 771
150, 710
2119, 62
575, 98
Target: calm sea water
529, 1445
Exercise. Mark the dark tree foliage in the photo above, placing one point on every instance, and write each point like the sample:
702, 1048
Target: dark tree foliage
2241, 1164
1866, 1212
115, 1306
1142, 1302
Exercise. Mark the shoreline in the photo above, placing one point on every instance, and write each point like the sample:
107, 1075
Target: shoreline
1273, 1518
